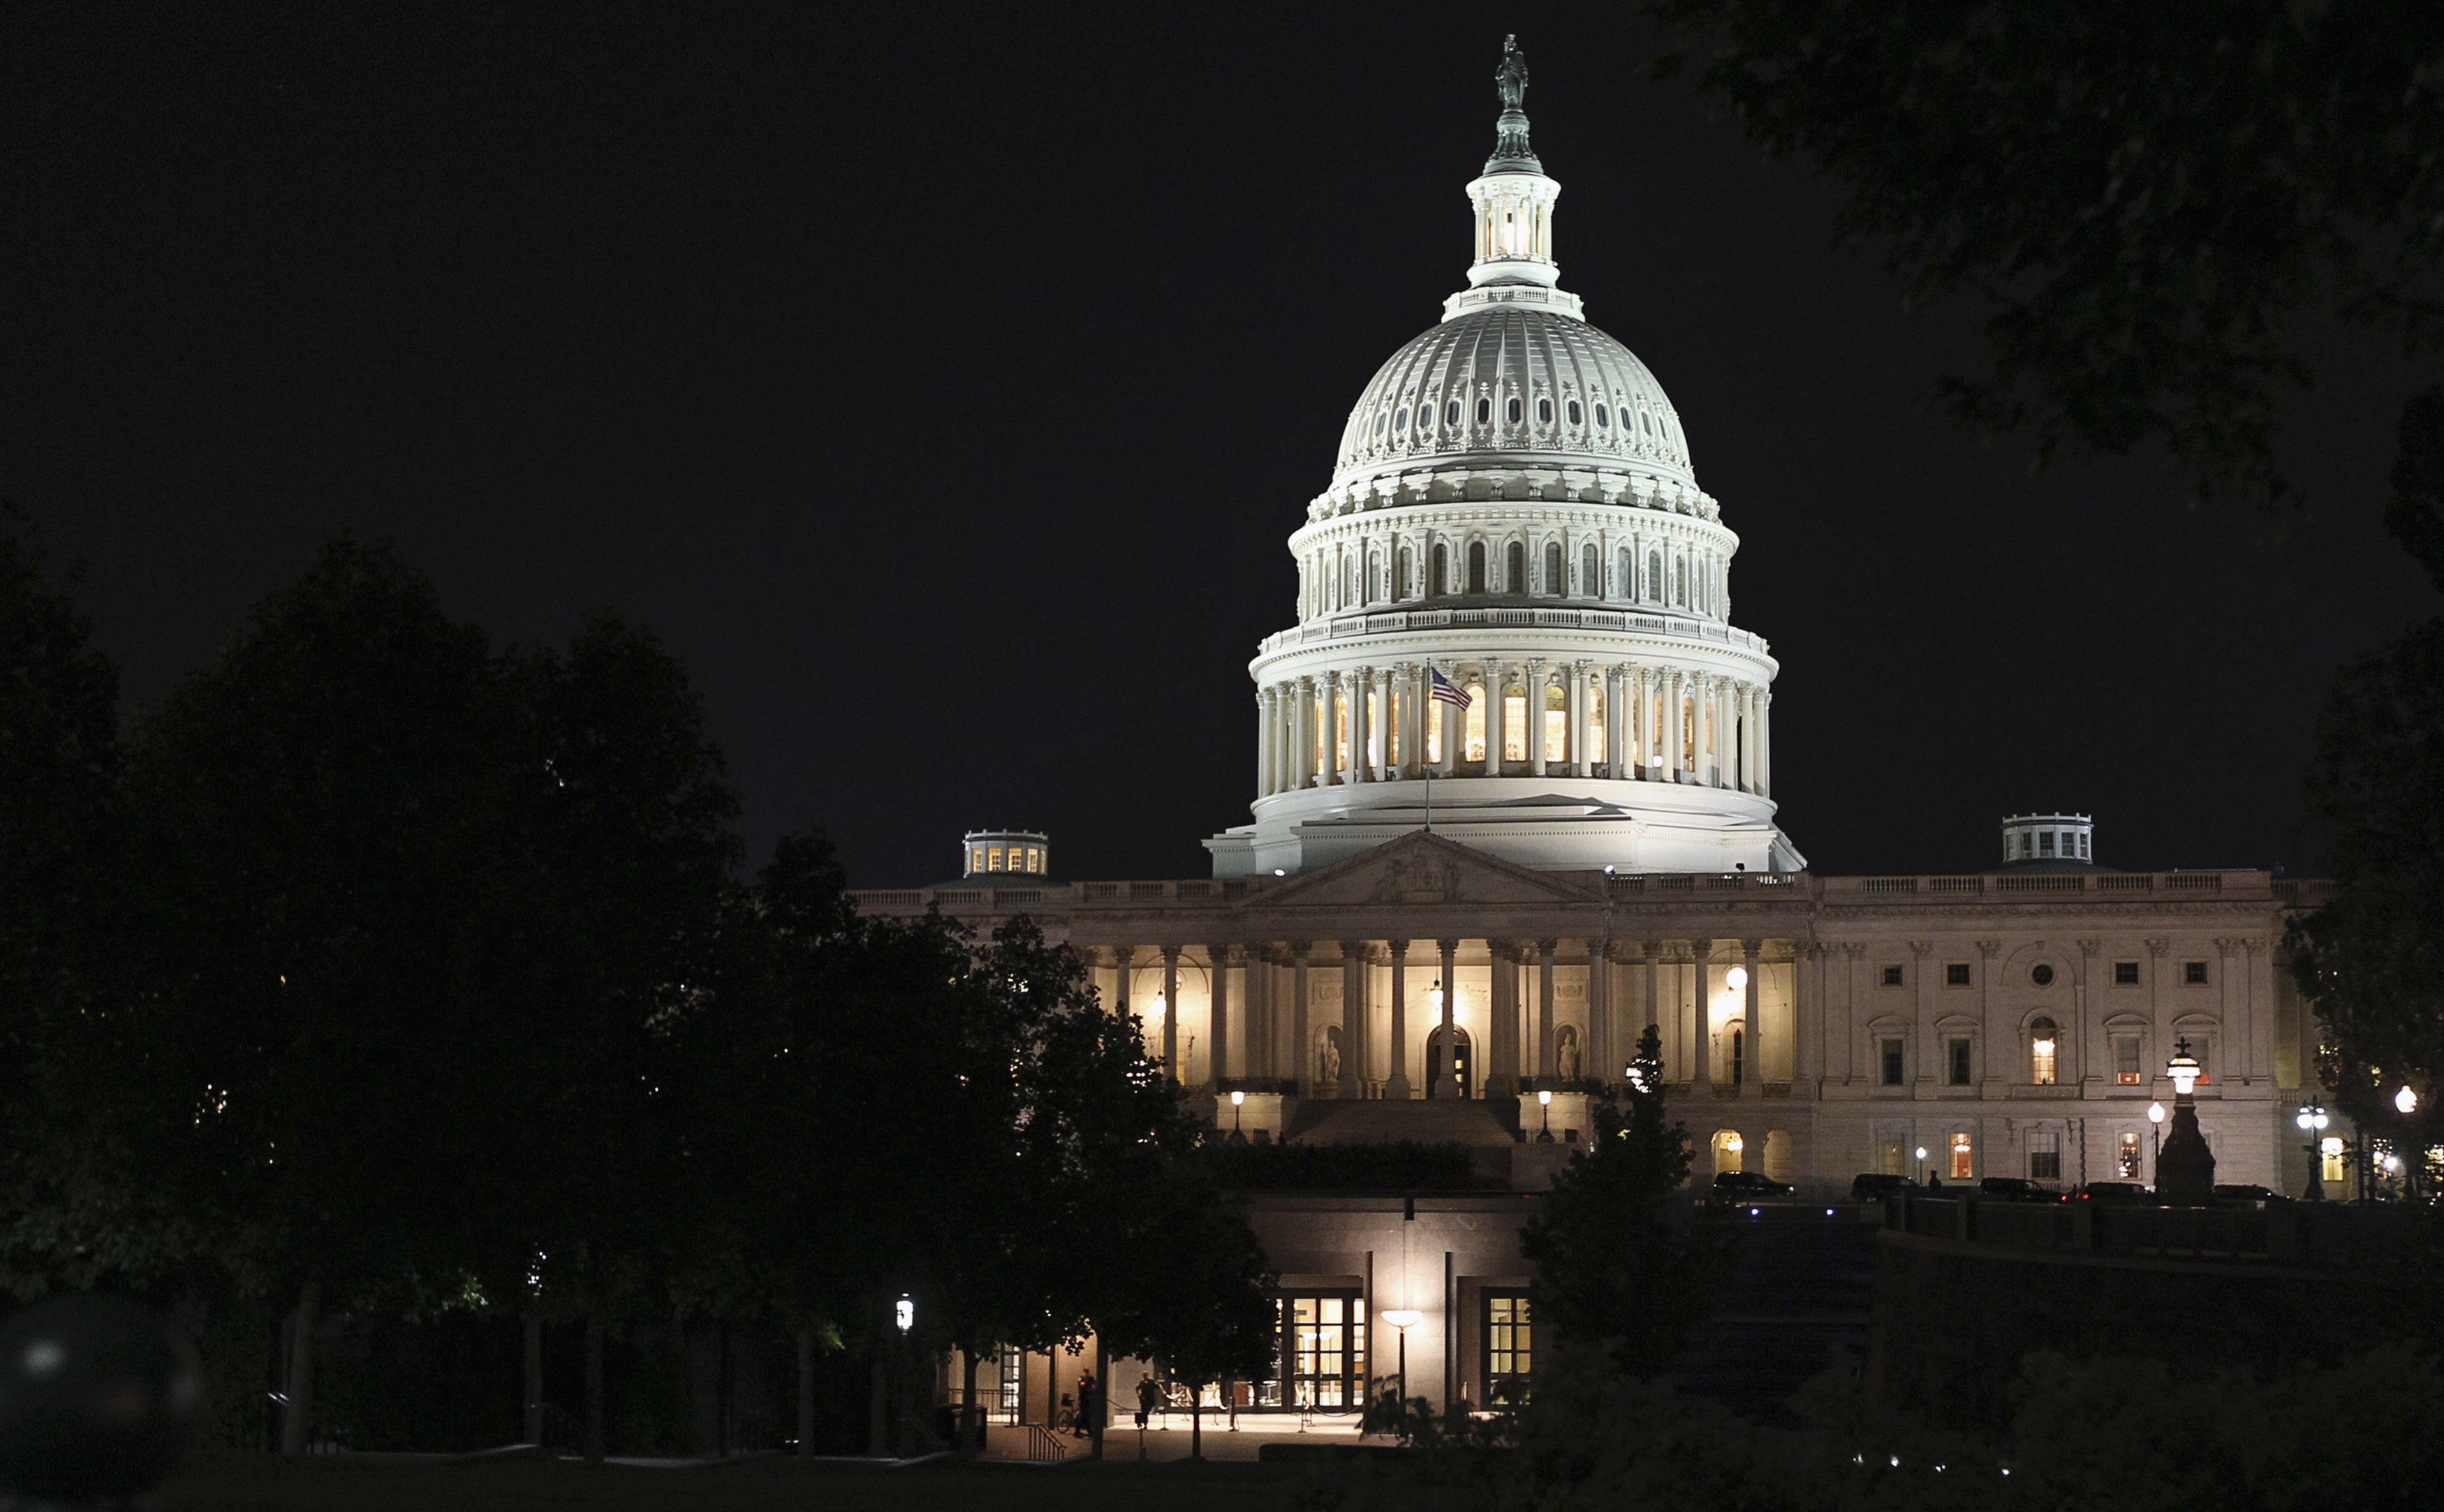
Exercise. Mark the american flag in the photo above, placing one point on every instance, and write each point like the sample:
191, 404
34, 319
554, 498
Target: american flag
1443, 693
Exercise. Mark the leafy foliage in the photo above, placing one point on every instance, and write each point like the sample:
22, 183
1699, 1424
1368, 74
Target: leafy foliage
2146, 194
1621, 1269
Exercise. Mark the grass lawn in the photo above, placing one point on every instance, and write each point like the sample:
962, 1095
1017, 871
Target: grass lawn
263, 1483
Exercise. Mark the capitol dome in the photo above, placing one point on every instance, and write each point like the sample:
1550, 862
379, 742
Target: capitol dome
1519, 385
1513, 616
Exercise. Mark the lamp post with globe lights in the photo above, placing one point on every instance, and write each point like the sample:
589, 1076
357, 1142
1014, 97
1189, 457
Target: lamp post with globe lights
1238, 1100
2406, 1103
1921, 1164
1544, 1101
2184, 1165
2155, 1137
2312, 1120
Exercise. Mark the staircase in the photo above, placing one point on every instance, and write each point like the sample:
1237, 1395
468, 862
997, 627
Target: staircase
1488, 1124
1794, 1303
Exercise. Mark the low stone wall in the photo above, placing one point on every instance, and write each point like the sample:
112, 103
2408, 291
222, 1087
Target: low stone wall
1954, 1314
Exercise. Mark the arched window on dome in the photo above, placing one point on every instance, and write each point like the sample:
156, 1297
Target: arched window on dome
1554, 586
1351, 593
1476, 566
1647, 421
1514, 723
1576, 414
1451, 414
1438, 573
1472, 745
1510, 411
1401, 419
1405, 574
1680, 582
1484, 410
1514, 567
1655, 576
1590, 572
1544, 412
1557, 724
1382, 419
1603, 417
1622, 583
1373, 576
1704, 568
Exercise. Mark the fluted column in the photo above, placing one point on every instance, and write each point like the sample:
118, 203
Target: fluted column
1122, 957
1361, 726
1496, 717
1765, 744
1753, 1084
1397, 1083
1701, 1046
1502, 1022
1577, 715
1545, 1067
1447, 716
1264, 743
1676, 719
1336, 719
1171, 1011
1536, 721
1449, 949
1217, 1058
1353, 1019
1301, 1034
1302, 764
1613, 757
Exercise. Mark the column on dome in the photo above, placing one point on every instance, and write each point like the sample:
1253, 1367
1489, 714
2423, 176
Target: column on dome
1171, 1012
1749, 708
1264, 743
1765, 744
1217, 1024
1576, 706
1387, 725
1396, 1084
1497, 717
1362, 725
1613, 756
1674, 710
1447, 716
1413, 721
1533, 707
1301, 709
1721, 758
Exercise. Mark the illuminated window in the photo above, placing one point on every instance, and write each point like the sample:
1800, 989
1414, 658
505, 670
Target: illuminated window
1889, 1159
1963, 1162
2126, 1061
2044, 1052
1373, 576
1472, 738
1340, 733
1374, 730
1514, 723
1688, 734
1595, 722
1510, 1347
2329, 1159
1514, 568
1575, 414
1035, 858
1476, 566
2126, 1162
975, 858
1325, 1340
1433, 715
993, 859
1554, 583
1557, 725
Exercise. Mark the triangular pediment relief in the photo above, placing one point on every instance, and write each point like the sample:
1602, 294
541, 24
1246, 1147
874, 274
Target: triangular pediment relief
1422, 868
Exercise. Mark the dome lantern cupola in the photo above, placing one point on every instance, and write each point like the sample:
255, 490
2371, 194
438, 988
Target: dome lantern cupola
1514, 212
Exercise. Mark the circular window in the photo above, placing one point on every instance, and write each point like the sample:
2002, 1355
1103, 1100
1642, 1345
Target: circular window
2042, 975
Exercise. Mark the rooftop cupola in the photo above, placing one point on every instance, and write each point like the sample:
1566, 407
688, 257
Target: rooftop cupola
1514, 210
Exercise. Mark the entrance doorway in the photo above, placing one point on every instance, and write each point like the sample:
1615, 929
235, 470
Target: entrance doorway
1447, 1056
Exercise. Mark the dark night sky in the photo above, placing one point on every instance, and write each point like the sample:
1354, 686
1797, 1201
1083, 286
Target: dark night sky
943, 389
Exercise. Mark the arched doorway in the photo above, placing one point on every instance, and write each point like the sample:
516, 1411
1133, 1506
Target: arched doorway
1450, 1044
1731, 1150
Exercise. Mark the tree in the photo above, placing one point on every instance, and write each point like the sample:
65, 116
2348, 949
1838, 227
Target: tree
1618, 1273
59, 911
313, 814
2146, 195
2372, 958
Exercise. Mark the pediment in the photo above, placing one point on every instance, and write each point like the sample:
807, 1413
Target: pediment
1422, 868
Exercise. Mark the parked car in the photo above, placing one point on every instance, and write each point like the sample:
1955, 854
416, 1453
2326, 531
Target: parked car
1750, 1184
1874, 1186
2016, 1188
2249, 1193
2113, 1191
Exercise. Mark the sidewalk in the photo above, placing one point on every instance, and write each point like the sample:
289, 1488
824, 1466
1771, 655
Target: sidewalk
1170, 1440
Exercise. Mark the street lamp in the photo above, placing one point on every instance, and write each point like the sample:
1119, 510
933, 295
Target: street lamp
2406, 1101
904, 1313
2312, 1120
1238, 1100
2155, 1134
1545, 1100
1400, 1318
1736, 979
1921, 1164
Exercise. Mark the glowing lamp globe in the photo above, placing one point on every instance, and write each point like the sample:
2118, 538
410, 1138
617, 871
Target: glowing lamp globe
2406, 1101
1404, 1317
1546, 1097
2183, 1069
2156, 1113
1238, 1099
1736, 979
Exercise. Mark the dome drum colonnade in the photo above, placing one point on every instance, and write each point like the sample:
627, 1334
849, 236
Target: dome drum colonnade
1513, 509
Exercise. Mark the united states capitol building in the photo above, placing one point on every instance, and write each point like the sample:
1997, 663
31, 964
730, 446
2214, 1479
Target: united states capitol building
1513, 774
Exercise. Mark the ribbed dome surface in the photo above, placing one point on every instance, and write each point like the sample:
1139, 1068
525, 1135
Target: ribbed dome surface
1521, 386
